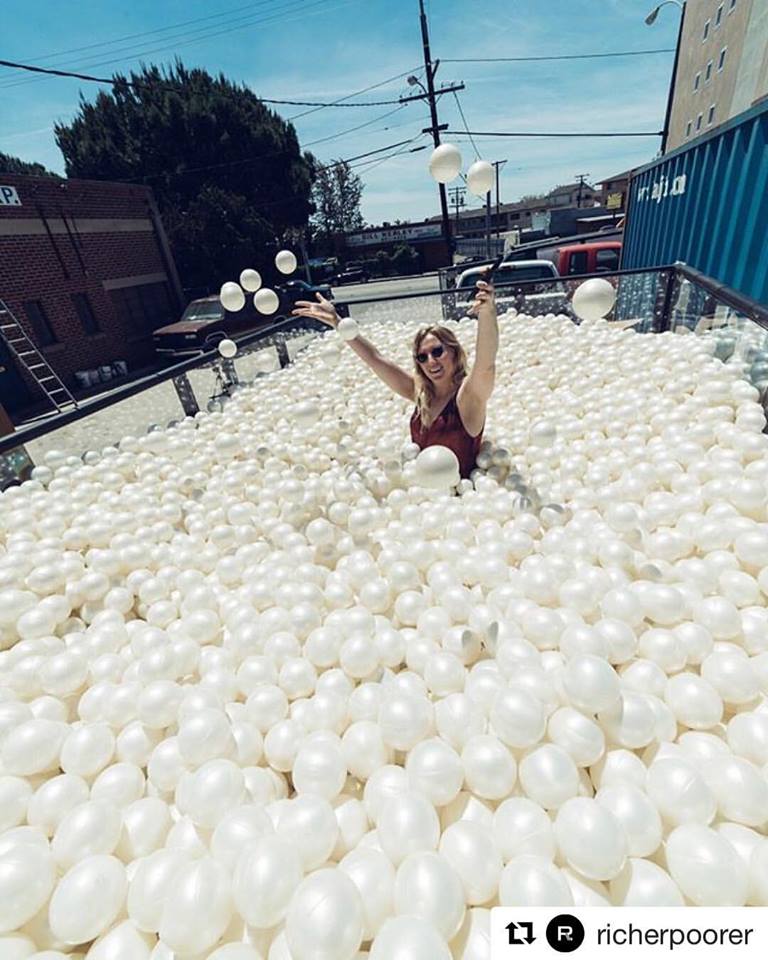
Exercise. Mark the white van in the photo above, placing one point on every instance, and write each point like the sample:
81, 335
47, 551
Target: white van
550, 301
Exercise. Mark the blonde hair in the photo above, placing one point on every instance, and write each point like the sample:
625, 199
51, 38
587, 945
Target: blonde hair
425, 391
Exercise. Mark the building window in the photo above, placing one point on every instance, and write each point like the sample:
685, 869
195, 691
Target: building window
688, 129
41, 325
721, 60
711, 115
705, 34
698, 122
85, 313
708, 73
696, 81
732, 6
718, 16
143, 308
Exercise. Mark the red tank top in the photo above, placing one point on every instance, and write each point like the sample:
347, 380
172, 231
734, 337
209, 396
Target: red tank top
448, 431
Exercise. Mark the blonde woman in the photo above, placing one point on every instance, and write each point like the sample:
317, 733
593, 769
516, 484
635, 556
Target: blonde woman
450, 399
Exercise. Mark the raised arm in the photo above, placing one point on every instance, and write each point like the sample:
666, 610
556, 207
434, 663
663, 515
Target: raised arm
477, 387
395, 377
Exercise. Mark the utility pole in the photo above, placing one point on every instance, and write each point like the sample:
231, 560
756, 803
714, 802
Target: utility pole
582, 179
457, 200
497, 164
436, 127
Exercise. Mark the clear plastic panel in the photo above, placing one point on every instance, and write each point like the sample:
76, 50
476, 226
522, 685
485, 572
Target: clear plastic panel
738, 339
639, 298
160, 406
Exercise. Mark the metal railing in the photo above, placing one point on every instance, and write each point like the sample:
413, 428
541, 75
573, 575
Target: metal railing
669, 298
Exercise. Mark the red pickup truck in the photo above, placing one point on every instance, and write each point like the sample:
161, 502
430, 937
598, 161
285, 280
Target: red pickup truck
600, 257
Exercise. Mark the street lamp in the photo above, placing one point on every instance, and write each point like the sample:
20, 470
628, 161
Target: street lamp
650, 19
415, 82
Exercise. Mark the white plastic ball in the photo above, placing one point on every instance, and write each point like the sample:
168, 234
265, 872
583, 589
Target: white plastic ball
437, 467
266, 301
232, 297
445, 163
347, 328
250, 280
285, 261
593, 299
480, 177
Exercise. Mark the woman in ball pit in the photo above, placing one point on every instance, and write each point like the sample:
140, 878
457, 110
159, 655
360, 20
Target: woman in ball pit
450, 399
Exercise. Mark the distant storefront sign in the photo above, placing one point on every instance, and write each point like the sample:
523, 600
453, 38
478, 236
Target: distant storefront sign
425, 231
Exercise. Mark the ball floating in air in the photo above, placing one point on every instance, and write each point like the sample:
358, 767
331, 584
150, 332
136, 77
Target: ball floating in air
347, 328
285, 261
250, 280
480, 177
266, 301
593, 299
232, 297
445, 162
437, 467
228, 349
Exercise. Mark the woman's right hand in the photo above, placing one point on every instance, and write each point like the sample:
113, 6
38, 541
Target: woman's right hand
323, 310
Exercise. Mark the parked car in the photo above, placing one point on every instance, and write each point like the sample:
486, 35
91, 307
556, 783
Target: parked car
552, 299
352, 273
205, 321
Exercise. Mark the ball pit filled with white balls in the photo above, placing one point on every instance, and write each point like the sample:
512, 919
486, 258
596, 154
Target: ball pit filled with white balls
263, 696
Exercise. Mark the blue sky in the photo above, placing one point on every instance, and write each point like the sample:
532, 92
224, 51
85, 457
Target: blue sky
325, 49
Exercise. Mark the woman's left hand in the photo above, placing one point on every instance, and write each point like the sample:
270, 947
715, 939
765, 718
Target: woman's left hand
484, 304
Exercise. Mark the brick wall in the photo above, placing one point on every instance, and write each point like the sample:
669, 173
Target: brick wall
98, 232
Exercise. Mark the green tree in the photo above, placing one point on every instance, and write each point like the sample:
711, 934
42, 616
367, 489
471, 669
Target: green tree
337, 193
405, 259
9, 164
227, 172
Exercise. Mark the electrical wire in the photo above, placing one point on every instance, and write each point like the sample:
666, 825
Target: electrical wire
301, 10
359, 126
476, 133
357, 93
264, 156
112, 81
370, 165
565, 56
466, 126
223, 14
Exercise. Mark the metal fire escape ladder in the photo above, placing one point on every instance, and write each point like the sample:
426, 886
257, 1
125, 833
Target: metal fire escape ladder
24, 351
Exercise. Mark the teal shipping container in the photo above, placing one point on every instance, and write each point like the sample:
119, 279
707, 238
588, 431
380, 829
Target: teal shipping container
706, 204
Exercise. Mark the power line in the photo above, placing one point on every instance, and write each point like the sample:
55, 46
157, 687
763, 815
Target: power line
263, 156
372, 164
279, 14
373, 86
466, 126
476, 133
565, 56
112, 81
223, 14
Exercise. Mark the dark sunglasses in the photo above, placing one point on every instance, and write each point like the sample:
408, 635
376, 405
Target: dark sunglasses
435, 352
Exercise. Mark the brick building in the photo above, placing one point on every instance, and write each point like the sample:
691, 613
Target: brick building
86, 269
